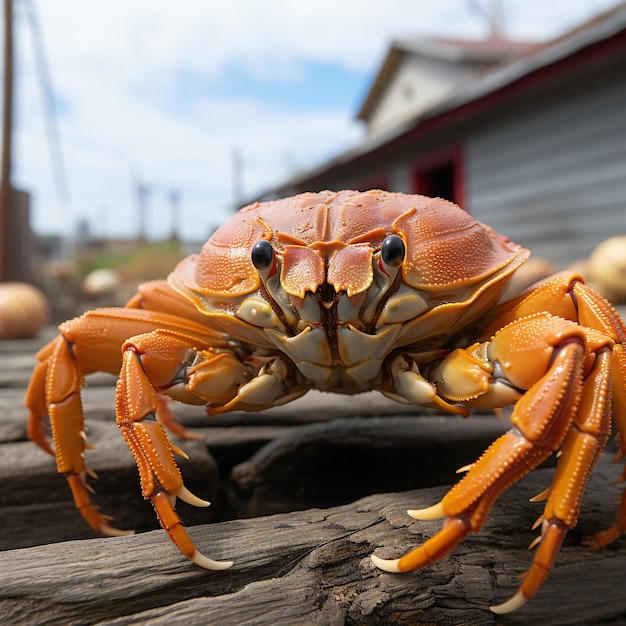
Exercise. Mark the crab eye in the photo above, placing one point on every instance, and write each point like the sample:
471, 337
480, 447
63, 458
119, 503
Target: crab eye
392, 251
262, 254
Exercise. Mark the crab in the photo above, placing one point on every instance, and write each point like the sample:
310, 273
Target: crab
349, 292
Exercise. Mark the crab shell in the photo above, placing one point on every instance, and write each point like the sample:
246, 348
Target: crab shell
328, 278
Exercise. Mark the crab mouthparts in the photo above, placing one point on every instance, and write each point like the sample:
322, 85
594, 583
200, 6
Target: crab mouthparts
327, 295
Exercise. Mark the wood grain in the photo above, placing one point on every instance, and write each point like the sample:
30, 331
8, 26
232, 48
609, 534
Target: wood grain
363, 459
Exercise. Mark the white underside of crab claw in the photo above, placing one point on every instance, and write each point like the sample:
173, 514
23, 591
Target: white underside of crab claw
262, 390
517, 601
199, 559
387, 565
410, 385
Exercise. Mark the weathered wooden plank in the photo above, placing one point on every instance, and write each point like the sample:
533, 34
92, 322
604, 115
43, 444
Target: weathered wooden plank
295, 468
335, 462
17, 359
37, 505
297, 568
313, 567
30, 345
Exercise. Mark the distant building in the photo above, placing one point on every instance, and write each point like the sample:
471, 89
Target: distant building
530, 139
417, 74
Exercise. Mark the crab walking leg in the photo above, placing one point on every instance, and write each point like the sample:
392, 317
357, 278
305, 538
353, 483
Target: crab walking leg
567, 295
89, 343
595, 312
92, 342
137, 402
55, 392
35, 401
158, 296
580, 450
541, 419
166, 417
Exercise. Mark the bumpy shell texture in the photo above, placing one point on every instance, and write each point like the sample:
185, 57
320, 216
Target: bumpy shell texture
332, 236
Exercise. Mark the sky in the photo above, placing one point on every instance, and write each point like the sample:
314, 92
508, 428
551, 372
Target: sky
169, 95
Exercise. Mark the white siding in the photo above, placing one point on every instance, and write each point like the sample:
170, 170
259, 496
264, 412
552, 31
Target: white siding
553, 177
418, 83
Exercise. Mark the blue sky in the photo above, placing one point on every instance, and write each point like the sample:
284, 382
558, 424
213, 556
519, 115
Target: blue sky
318, 86
164, 92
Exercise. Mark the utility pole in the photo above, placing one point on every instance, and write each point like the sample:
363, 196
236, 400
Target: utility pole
176, 216
142, 190
6, 195
495, 20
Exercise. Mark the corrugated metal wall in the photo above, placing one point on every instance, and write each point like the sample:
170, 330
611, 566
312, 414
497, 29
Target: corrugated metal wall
553, 177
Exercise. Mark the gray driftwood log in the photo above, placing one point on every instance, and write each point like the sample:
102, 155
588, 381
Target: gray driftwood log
313, 567
304, 567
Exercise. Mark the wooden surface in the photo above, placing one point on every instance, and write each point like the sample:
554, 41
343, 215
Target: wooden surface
291, 566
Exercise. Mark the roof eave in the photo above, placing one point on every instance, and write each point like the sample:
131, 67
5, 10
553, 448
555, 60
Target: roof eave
471, 91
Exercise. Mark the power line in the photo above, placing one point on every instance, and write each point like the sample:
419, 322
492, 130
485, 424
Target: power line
6, 191
57, 162
493, 15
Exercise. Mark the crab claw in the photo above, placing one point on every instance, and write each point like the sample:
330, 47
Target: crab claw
170, 522
186, 496
197, 557
514, 603
431, 512
203, 561
387, 565
111, 531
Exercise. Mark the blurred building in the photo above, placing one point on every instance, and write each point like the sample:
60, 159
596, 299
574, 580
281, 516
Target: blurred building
530, 139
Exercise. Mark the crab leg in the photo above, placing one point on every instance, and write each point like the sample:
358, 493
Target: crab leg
35, 400
598, 313
566, 295
566, 399
541, 419
55, 391
579, 452
152, 361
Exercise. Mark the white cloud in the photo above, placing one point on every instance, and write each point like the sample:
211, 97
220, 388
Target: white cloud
115, 67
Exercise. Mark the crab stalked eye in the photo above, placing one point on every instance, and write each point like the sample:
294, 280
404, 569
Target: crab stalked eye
392, 251
262, 255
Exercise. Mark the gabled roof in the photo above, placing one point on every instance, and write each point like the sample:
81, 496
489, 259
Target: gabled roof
482, 52
604, 36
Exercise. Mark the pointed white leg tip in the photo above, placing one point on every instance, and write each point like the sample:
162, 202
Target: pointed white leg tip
431, 512
387, 565
199, 559
186, 496
517, 601
111, 531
